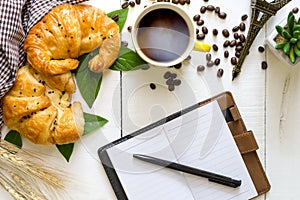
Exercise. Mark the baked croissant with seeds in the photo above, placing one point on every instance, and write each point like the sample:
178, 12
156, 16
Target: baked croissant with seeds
40, 113
68, 31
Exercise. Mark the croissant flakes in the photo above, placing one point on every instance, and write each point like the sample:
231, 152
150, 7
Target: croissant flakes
39, 104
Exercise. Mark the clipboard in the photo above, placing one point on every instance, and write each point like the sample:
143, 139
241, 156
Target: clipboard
243, 138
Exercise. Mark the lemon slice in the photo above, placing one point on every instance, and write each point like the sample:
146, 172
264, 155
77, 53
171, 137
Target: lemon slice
200, 46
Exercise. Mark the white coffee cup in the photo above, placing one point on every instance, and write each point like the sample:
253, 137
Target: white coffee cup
163, 34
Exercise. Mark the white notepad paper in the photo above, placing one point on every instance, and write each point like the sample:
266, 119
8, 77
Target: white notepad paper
200, 139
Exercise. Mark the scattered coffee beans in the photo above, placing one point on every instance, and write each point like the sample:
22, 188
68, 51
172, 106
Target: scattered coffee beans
215, 32
202, 9
210, 8
167, 75
200, 22
225, 33
233, 61
222, 15
210, 63
200, 36
196, 17
295, 10
235, 29
131, 3
220, 72
115, 17
261, 49
217, 61
171, 87
226, 54
242, 38
124, 43
200, 68
237, 54
215, 47
217, 10
177, 82
226, 43
129, 28
244, 17
208, 57
125, 5
242, 26
138, 2
232, 43
236, 36
178, 66
264, 65
152, 86
204, 30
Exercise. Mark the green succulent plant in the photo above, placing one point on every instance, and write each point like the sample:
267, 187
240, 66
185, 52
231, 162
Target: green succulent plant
290, 38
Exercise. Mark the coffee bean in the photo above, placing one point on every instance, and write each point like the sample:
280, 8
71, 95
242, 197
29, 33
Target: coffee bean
152, 86
129, 28
125, 5
232, 43
208, 57
170, 81
210, 63
215, 32
175, 1
202, 9
220, 72
236, 36
295, 10
200, 22
226, 54
215, 47
131, 3
124, 43
115, 17
167, 75
210, 8
226, 43
138, 2
242, 26
217, 10
188, 2
239, 48
177, 82
225, 33
222, 15
173, 75
264, 65
217, 61
171, 87
242, 38
261, 49
196, 17
200, 36
188, 58
205, 0
244, 17
233, 60
235, 29
200, 68
178, 66
182, 2
237, 54
197, 31
204, 30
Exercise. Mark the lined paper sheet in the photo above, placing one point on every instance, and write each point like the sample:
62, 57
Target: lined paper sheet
199, 138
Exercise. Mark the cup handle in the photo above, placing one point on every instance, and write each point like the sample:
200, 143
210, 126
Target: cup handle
200, 46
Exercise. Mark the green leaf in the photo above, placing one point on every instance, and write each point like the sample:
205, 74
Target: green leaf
93, 122
122, 17
128, 60
88, 82
286, 34
14, 137
286, 48
280, 45
291, 22
279, 29
66, 150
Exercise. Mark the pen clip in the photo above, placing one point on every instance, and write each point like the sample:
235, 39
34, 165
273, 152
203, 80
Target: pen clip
231, 183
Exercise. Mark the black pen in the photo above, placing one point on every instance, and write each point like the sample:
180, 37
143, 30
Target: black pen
217, 178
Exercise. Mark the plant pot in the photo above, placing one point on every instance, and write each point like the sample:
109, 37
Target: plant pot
270, 42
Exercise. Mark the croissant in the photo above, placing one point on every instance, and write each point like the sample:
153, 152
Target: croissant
68, 31
40, 113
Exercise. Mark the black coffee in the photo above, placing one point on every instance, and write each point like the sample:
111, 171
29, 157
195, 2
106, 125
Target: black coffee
163, 35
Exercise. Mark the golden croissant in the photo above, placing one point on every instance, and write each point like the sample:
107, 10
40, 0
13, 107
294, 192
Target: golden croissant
68, 31
41, 114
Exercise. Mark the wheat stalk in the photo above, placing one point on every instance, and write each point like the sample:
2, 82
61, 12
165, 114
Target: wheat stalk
24, 168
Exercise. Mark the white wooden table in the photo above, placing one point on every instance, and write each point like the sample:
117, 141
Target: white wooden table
127, 101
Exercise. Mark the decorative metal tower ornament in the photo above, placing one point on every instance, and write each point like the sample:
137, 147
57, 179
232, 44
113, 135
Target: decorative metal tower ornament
261, 13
